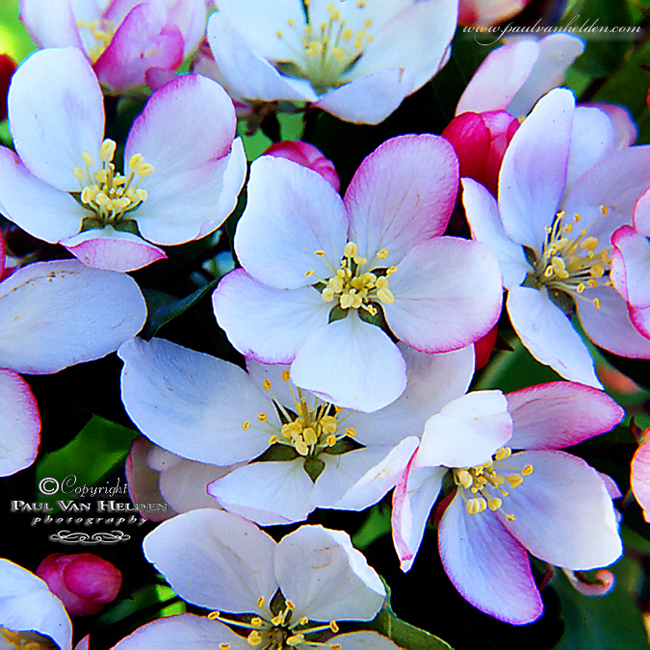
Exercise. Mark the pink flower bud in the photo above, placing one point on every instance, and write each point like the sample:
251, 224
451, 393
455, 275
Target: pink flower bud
84, 582
7, 67
484, 346
307, 155
480, 141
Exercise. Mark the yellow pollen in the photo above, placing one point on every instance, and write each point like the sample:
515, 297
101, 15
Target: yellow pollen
350, 432
528, 470
286, 375
254, 638
515, 480
213, 616
309, 273
262, 417
246, 425
290, 605
260, 601
510, 517
273, 440
334, 627
503, 453
107, 150
331, 440
224, 646
295, 639
87, 158
494, 504
596, 303
382, 254
266, 384
319, 252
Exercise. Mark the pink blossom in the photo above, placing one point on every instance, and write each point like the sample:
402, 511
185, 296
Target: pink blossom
537, 500
307, 155
123, 39
83, 581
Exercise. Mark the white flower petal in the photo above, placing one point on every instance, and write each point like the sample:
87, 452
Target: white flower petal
27, 604
326, 577
352, 364
56, 111
57, 314
214, 559
193, 404
549, 335
20, 424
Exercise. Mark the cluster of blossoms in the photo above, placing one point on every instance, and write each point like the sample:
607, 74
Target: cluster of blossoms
359, 318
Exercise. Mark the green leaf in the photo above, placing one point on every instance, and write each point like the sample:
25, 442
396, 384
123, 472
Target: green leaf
94, 453
602, 622
604, 51
376, 525
402, 633
163, 308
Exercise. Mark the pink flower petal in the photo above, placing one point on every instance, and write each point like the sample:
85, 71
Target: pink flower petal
291, 213
640, 478
488, 566
20, 424
560, 414
144, 39
441, 305
52, 24
113, 250
563, 512
402, 194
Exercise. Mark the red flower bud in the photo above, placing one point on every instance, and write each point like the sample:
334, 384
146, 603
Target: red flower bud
307, 155
84, 582
7, 67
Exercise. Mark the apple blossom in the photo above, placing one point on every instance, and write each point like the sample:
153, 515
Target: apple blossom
538, 500
64, 187
631, 264
305, 452
54, 315
83, 581
123, 39
7, 67
283, 595
551, 231
326, 278
348, 58
307, 155
29, 612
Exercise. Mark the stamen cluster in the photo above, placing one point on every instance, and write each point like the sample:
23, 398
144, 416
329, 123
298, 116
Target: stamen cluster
277, 632
328, 50
568, 263
355, 288
102, 32
485, 482
109, 194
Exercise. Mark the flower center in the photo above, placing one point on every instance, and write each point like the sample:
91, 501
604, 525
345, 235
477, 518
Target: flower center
570, 262
307, 430
276, 632
101, 34
107, 193
326, 51
486, 482
354, 287
26, 640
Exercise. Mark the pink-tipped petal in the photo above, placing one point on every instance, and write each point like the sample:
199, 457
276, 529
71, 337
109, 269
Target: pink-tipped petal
56, 111
51, 24
20, 424
499, 77
402, 194
609, 324
441, 305
307, 155
191, 191
563, 513
113, 250
560, 414
640, 478
488, 566
144, 39
351, 364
